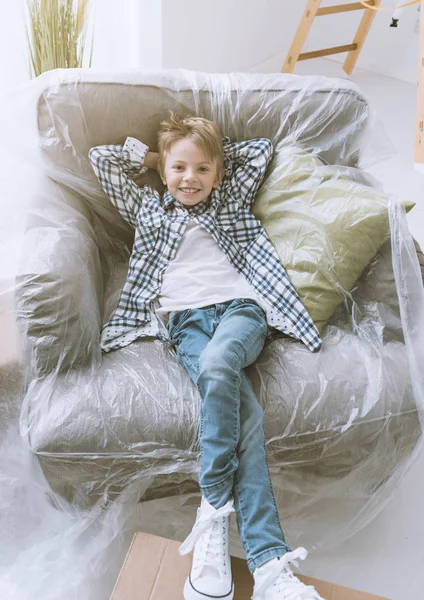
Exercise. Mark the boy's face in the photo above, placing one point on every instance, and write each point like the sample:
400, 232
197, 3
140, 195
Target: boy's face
189, 175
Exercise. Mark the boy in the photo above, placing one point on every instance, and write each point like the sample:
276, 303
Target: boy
204, 277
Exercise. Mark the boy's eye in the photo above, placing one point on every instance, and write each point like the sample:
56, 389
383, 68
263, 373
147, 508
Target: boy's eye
178, 167
204, 169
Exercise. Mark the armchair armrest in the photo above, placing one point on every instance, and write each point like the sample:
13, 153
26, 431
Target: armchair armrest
59, 289
9, 344
420, 256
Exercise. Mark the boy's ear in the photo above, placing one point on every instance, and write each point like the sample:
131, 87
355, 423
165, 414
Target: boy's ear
219, 177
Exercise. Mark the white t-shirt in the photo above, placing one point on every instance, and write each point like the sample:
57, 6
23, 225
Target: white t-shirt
200, 274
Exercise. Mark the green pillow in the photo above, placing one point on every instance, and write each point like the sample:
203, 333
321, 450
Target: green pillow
325, 227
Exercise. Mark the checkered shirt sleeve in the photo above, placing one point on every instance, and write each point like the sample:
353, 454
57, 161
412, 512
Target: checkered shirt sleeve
246, 165
114, 166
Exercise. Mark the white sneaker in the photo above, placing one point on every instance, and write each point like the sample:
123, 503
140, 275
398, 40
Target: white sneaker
210, 575
274, 580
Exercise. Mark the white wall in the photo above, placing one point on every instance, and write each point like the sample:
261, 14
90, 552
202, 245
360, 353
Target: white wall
148, 35
223, 35
226, 35
14, 66
118, 33
253, 35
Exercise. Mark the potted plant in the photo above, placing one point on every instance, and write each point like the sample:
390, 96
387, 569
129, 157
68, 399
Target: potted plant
57, 35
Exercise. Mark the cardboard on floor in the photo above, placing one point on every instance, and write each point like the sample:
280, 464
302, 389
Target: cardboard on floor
154, 570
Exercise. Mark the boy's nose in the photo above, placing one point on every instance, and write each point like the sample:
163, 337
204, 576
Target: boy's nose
189, 177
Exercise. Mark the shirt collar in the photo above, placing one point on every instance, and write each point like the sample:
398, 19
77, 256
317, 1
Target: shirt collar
168, 199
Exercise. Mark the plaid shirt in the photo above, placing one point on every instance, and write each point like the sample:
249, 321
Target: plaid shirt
160, 223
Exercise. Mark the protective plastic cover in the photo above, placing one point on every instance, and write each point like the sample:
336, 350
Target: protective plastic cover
95, 447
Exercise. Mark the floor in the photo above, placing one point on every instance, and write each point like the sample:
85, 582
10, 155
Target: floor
387, 556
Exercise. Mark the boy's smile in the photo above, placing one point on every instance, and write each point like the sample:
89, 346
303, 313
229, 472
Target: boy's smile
190, 175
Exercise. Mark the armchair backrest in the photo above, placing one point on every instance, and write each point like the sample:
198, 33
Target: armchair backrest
79, 109
61, 286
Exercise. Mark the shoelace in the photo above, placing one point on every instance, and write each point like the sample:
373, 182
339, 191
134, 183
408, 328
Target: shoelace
211, 552
286, 582
289, 587
202, 524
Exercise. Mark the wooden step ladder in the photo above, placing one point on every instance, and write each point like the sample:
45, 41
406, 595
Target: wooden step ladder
313, 10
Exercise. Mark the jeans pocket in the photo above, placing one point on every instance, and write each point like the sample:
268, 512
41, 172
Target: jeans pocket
176, 322
251, 301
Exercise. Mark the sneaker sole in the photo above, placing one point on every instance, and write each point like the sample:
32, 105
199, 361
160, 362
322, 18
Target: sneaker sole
191, 594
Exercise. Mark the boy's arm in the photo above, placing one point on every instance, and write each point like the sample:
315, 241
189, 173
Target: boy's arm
248, 162
151, 160
114, 165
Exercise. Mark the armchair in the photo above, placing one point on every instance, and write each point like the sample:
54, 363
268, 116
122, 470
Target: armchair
339, 423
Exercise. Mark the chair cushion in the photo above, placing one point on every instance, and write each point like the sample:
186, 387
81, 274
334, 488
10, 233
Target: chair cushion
325, 227
130, 421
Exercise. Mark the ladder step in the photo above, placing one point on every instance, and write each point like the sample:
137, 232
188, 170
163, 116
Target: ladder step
327, 51
330, 10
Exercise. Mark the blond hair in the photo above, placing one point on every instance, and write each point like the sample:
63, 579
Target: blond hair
202, 132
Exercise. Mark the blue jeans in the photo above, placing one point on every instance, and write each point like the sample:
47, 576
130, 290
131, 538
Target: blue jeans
215, 344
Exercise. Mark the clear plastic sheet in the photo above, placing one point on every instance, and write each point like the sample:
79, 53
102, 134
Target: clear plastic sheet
95, 447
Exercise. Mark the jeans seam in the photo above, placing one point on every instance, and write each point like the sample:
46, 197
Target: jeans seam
236, 438
187, 358
201, 394
246, 343
272, 493
242, 517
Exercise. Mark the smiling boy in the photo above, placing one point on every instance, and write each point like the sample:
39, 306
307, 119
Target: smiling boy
204, 277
